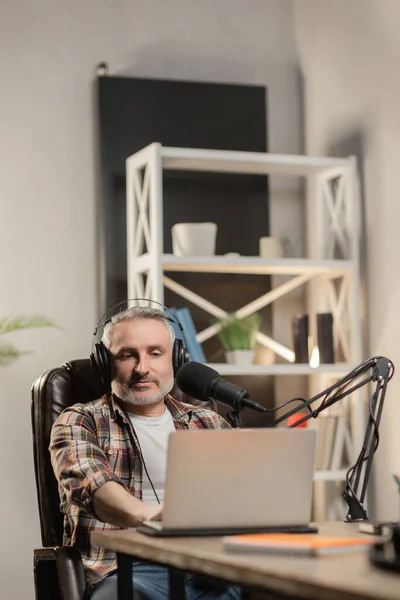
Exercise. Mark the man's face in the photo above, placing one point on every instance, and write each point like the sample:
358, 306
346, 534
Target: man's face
141, 353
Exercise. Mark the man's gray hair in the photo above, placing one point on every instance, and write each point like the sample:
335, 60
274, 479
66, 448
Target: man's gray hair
132, 314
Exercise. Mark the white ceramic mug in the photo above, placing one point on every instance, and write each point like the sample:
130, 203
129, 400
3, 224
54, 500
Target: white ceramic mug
196, 239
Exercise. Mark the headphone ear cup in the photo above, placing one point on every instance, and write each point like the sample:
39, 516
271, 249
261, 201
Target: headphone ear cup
186, 356
101, 365
176, 355
180, 355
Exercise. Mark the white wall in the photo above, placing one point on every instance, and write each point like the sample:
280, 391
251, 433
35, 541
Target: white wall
48, 53
350, 52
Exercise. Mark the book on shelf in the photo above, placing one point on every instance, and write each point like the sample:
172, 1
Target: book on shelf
295, 543
185, 319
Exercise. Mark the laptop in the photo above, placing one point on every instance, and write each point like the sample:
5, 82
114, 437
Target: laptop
222, 482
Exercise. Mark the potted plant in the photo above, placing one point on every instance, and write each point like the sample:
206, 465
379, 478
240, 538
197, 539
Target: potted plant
238, 337
8, 352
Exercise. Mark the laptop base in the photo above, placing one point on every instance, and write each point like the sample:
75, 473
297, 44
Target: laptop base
164, 532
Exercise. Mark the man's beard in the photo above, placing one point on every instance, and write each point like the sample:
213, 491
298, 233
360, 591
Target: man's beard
126, 393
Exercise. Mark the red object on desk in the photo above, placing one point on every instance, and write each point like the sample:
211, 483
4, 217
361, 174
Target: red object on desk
294, 418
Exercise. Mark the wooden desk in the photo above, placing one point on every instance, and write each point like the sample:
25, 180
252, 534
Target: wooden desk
337, 577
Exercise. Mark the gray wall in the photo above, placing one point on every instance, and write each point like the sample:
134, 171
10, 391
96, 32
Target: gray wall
48, 52
350, 53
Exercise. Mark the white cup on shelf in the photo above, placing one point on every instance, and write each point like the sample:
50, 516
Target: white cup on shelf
196, 239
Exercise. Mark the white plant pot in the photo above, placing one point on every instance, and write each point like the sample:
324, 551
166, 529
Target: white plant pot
196, 239
240, 357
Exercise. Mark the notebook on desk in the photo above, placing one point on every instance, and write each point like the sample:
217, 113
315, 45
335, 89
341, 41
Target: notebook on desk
221, 482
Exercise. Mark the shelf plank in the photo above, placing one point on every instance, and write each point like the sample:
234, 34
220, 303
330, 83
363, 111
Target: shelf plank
282, 369
257, 163
330, 475
255, 265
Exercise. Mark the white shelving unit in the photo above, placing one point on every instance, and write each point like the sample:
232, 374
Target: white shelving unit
331, 271
225, 369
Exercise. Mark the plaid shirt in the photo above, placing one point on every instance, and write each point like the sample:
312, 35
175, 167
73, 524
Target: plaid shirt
94, 443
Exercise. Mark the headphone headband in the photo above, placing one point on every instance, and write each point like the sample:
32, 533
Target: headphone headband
172, 318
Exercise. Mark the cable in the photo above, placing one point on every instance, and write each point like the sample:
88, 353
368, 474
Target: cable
148, 477
144, 464
297, 399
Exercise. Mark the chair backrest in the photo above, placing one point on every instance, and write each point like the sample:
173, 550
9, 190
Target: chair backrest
52, 392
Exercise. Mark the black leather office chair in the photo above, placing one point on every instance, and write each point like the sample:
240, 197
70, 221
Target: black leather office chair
58, 569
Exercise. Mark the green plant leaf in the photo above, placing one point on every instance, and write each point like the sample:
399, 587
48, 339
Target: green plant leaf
18, 322
238, 334
9, 353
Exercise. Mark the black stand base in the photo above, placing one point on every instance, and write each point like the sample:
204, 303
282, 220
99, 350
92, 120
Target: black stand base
233, 418
356, 510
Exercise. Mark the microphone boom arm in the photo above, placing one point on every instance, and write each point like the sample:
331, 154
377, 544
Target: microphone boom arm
356, 478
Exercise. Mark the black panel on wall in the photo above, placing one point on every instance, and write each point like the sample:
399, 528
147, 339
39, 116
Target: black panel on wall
135, 112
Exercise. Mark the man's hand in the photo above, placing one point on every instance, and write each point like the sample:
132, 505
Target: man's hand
153, 513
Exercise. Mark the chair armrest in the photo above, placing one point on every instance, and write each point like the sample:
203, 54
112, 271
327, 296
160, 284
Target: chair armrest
58, 573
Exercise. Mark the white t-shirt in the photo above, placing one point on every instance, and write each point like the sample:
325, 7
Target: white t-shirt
153, 434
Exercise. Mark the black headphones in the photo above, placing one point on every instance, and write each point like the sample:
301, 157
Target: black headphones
100, 357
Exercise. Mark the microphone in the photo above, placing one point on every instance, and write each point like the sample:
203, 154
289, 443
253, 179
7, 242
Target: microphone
202, 382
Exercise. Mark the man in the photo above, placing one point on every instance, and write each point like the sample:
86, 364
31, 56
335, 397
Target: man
109, 455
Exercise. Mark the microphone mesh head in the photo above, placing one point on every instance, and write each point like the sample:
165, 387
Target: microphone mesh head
195, 379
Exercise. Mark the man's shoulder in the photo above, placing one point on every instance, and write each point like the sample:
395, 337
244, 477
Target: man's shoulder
80, 410
202, 417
